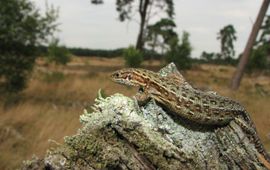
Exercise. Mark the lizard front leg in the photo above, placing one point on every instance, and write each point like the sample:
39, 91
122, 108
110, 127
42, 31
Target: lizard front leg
142, 97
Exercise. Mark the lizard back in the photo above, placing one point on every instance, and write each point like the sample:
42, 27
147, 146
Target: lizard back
194, 104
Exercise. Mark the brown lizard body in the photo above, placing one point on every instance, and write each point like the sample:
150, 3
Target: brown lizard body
192, 104
187, 102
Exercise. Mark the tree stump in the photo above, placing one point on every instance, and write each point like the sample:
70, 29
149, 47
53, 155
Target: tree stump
118, 134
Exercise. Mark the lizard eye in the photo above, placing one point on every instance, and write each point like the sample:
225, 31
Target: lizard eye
141, 90
116, 75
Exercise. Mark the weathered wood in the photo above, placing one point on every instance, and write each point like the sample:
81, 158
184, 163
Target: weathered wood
118, 134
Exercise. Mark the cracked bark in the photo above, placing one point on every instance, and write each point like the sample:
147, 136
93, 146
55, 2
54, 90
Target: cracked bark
118, 135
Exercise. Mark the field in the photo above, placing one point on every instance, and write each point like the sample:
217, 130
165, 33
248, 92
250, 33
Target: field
49, 108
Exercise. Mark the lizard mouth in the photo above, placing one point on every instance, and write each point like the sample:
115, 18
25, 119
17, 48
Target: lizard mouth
124, 81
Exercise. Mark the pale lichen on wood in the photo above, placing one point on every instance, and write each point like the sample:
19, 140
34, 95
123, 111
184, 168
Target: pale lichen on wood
119, 134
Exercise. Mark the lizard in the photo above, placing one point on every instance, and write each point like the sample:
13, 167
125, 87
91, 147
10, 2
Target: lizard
175, 93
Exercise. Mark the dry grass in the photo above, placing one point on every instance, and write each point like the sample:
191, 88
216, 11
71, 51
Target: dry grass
50, 107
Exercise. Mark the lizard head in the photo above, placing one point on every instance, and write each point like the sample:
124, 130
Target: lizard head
131, 77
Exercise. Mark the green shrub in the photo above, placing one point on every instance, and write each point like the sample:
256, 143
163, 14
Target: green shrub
133, 57
258, 58
58, 54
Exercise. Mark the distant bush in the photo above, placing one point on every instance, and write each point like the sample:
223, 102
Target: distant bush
133, 57
208, 57
58, 54
215, 58
86, 52
181, 53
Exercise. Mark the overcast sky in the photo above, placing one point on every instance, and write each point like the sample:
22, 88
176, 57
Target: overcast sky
86, 25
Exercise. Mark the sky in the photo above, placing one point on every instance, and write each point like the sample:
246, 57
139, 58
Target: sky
98, 27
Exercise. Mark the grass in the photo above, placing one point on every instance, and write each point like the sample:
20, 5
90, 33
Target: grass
50, 106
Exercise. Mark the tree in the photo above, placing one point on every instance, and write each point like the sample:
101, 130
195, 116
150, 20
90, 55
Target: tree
236, 79
265, 36
22, 29
147, 9
180, 54
162, 35
227, 36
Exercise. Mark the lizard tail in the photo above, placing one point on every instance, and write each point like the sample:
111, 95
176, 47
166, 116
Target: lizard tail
249, 128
